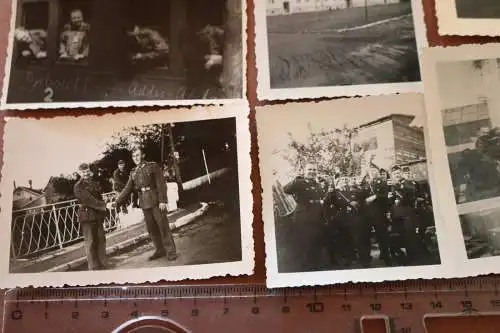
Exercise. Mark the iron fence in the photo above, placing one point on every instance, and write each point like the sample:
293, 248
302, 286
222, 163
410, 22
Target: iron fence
38, 230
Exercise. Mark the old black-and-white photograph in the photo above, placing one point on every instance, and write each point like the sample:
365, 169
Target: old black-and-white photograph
481, 233
471, 126
468, 17
129, 192
342, 44
482, 9
155, 52
350, 186
462, 103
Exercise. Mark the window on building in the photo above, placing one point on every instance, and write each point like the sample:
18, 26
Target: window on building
31, 34
459, 134
74, 30
370, 144
148, 28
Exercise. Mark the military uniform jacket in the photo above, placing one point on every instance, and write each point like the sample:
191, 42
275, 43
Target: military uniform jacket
38, 42
305, 191
89, 194
342, 199
408, 193
147, 179
75, 42
151, 43
119, 179
380, 189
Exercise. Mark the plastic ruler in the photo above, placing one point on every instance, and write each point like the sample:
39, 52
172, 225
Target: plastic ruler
405, 307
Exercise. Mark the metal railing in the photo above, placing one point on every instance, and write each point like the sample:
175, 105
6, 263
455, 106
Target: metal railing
38, 230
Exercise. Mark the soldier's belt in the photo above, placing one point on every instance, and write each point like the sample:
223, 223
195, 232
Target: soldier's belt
316, 201
145, 189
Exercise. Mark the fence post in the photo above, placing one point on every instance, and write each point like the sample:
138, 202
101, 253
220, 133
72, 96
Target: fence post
58, 232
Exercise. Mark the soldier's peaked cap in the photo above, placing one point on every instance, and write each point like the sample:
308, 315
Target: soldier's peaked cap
84, 166
395, 168
405, 169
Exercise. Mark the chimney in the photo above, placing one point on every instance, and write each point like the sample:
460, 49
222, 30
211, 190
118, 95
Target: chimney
31, 183
15, 185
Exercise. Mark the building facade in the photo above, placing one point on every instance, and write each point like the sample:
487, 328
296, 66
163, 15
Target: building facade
24, 196
283, 7
391, 140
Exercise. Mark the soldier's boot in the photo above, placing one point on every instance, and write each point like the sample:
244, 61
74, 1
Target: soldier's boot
169, 243
156, 255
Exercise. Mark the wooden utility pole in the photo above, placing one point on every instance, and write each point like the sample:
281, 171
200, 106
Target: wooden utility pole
232, 63
177, 169
162, 151
366, 10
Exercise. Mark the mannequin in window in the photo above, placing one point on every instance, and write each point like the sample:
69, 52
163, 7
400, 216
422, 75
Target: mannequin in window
31, 43
148, 45
74, 38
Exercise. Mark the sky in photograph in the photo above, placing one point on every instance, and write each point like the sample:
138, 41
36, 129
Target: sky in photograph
50, 148
296, 118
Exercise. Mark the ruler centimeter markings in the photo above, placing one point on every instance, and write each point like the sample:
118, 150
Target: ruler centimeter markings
404, 306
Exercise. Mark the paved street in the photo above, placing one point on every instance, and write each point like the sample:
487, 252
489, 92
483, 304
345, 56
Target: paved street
215, 237
322, 49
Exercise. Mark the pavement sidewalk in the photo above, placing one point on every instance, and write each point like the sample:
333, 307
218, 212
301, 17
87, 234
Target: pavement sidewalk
74, 255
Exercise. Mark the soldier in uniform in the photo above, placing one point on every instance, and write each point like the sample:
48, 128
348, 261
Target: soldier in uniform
147, 179
120, 178
91, 216
351, 234
377, 204
404, 194
308, 220
74, 43
149, 46
31, 43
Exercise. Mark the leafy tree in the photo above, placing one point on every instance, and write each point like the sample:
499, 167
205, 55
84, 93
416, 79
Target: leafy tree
333, 152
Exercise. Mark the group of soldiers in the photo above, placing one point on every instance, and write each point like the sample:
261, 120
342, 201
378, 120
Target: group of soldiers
147, 180
335, 219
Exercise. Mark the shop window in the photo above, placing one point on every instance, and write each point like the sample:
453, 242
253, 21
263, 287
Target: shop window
31, 34
74, 30
148, 29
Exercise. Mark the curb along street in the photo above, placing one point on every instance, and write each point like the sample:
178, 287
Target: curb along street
137, 240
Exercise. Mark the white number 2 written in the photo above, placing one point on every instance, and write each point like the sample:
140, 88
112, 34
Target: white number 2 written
49, 95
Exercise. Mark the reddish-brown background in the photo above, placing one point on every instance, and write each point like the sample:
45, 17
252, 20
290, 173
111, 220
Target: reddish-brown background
455, 326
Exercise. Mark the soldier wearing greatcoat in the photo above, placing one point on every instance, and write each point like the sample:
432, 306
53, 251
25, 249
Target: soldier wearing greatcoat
308, 220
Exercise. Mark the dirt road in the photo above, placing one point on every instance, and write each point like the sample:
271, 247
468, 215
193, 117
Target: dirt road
213, 238
315, 53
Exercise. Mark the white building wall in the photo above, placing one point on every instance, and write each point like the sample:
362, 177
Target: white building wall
323, 5
362, 3
461, 84
277, 7
384, 154
301, 6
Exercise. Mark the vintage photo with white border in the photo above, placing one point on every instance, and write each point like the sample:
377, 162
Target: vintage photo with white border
338, 48
84, 54
463, 108
125, 198
468, 17
347, 192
